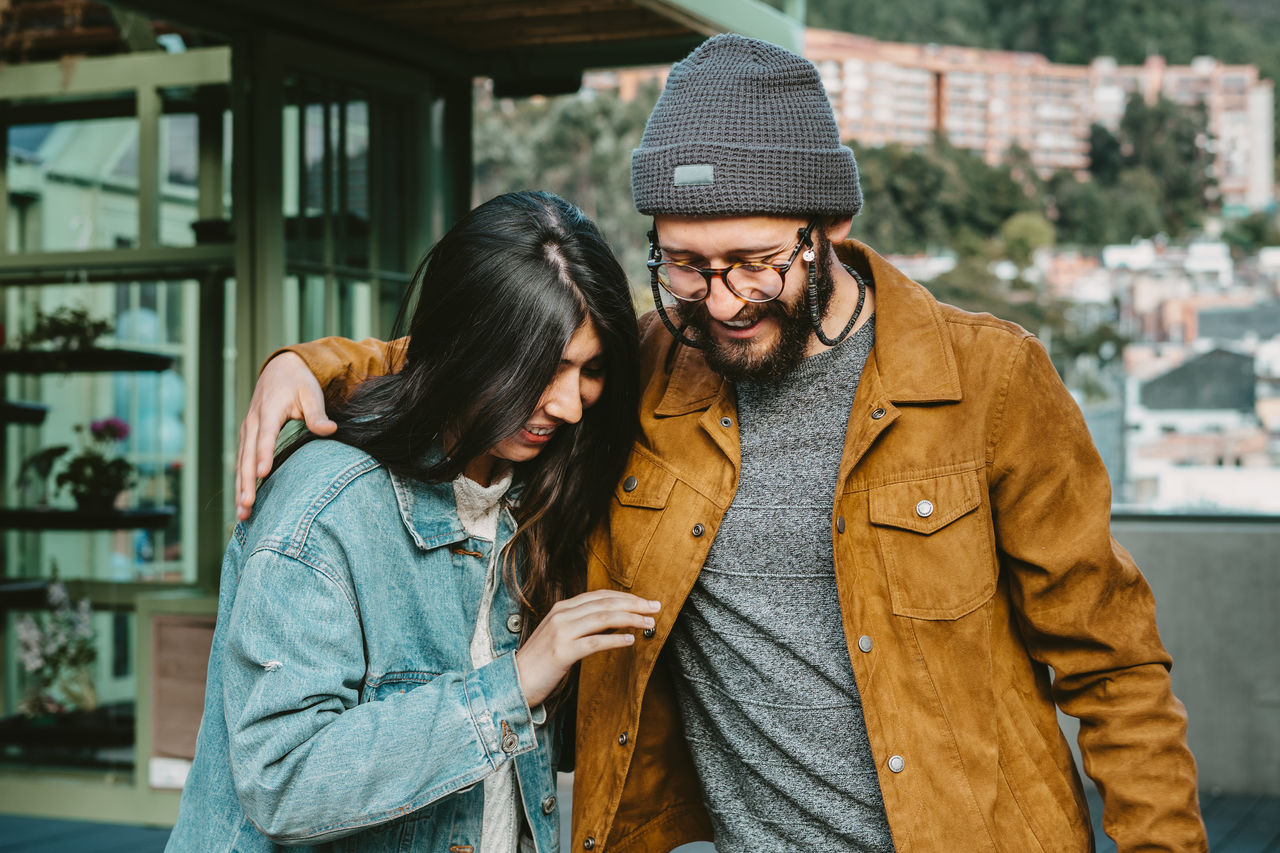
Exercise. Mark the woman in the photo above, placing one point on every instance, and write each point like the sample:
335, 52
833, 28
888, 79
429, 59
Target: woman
364, 691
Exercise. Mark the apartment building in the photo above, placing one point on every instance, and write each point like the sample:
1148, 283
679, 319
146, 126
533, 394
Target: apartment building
1237, 103
984, 100
987, 100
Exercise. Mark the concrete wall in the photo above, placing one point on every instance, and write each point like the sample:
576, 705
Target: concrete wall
1217, 588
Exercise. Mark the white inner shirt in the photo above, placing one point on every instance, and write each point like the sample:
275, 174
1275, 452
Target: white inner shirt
479, 508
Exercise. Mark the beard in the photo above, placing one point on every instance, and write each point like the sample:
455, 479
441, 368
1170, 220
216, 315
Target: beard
754, 360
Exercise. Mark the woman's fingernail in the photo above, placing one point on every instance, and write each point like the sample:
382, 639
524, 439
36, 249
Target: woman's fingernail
648, 622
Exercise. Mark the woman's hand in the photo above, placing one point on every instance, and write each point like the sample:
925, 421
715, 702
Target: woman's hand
575, 628
286, 390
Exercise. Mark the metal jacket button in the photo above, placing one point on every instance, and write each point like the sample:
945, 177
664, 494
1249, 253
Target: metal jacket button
924, 509
877, 414
622, 739
514, 623
840, 524
698, 530
726, 422
629, 484
509, 742
589, 843
648, 633
896, 763
864, 643
548, 805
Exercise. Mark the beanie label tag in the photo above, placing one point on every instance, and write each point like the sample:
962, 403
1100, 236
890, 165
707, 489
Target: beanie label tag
695, 175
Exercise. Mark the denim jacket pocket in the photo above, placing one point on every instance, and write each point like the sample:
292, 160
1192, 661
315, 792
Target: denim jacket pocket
635, 512
935, 540
377, 688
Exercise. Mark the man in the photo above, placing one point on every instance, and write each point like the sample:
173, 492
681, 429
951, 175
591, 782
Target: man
877, 525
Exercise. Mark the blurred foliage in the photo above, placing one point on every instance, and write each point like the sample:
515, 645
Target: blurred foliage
578, 146
939, 197
1251, 233
1150, 177
1022, 234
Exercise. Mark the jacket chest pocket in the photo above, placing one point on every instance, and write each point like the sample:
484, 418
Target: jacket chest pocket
936, 542
637, 508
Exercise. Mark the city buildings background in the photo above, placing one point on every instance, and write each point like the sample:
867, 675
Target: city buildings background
256, 174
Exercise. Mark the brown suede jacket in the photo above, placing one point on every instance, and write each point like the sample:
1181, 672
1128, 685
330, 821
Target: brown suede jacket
978, 581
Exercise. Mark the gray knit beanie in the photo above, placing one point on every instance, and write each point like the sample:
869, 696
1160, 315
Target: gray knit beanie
743, 127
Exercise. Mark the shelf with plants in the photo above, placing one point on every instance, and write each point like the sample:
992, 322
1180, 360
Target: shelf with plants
60, 720
60, 342
65, 341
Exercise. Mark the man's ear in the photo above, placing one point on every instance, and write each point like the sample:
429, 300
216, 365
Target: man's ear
837, 230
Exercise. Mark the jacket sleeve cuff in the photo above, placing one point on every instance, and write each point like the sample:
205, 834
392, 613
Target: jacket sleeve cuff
499, 711
539, 714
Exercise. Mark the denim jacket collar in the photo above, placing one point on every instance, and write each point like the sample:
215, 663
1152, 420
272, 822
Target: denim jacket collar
429, 510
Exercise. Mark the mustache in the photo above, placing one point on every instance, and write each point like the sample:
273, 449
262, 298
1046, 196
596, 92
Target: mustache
697, 315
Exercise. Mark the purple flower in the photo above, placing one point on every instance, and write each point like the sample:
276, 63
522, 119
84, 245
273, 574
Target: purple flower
109, 429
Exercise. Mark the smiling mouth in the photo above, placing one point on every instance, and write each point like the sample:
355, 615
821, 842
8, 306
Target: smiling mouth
540, 431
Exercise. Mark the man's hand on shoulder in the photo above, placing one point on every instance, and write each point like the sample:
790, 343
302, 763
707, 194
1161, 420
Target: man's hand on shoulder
286, 390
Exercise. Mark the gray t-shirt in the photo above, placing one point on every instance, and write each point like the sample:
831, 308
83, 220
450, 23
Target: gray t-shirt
762, 671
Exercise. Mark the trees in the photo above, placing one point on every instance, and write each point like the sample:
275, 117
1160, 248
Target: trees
934, 198
578, 146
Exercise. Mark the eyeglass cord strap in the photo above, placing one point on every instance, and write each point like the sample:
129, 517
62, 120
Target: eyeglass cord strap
816, 322
666, 320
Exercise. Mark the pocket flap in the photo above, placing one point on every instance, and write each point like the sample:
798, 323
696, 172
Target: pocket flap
645, 484
925, 506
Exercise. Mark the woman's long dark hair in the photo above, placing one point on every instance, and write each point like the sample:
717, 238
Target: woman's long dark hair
498, 299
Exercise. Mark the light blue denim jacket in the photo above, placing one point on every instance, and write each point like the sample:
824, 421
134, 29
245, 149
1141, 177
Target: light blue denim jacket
341, 710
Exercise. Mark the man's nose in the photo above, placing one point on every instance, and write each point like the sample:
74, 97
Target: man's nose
722, 303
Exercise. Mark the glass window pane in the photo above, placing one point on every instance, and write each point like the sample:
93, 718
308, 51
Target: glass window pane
73, 185
179, 176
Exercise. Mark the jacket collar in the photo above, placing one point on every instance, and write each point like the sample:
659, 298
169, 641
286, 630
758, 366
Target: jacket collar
430, 510
913, 351
913, 348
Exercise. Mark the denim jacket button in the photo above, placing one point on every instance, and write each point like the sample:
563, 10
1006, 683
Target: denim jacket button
510, 741
515, 623
548, 805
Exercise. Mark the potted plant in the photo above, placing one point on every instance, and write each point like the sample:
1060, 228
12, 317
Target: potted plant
56, 649
96, 475
65, 329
